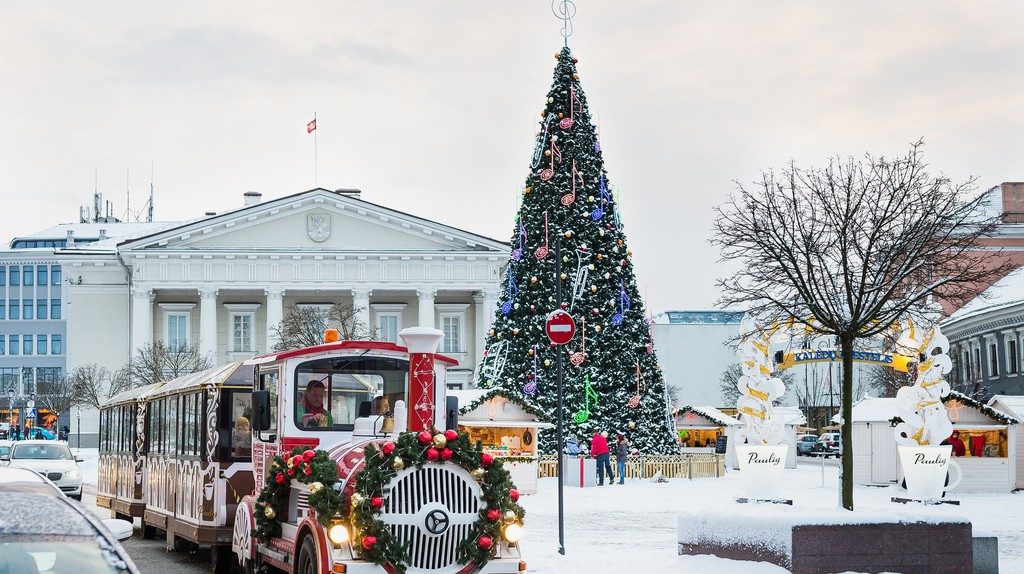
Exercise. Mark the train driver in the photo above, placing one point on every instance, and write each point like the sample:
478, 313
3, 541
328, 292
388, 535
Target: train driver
311, 408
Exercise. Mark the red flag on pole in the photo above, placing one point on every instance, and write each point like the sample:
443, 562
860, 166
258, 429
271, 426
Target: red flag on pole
311, 126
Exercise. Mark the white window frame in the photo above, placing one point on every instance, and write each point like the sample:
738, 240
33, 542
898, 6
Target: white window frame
177, 310
976, 361
395, 310
453, 311
1012, 367
241, 310
992, 363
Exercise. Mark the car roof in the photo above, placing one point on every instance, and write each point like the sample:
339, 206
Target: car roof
13, 479
41, 441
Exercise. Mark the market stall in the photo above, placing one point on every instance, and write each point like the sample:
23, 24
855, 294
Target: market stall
703, 429
1014, 406
506, 428
988, 435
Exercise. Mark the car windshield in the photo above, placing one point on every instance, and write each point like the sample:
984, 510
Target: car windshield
58, 556
41, 452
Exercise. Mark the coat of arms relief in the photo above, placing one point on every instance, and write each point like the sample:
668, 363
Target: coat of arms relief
318, 226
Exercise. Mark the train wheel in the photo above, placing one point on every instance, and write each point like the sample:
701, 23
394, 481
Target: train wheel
307, 563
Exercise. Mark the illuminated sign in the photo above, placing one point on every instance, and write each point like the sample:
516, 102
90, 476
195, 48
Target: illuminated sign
806, 356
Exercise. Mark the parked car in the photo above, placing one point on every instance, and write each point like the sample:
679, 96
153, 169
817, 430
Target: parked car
807, 444
39, 433
5, 431
43, 531
836, 449
5, 449
829, 438
50, 459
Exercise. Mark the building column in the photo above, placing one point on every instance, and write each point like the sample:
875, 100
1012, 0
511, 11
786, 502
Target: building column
426, 307
142, 319
361, 309
485, 302
275, 313
208, 324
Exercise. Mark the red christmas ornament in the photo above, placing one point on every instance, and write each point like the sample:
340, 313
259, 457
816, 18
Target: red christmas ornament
297, 460
486, 459
432, 454
279, 478
451, 434
446, 454
307, 470
376, 502
291, 472
309, 455
514, 495
565, 305
388, 448
494, 515
369, 541
425, 437
485, 542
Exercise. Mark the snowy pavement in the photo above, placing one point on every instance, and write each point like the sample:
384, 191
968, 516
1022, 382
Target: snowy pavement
633, 527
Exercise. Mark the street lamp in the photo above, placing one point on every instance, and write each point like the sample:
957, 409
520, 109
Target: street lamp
10, 407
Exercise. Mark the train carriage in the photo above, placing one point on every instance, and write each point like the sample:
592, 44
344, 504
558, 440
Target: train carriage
122, 452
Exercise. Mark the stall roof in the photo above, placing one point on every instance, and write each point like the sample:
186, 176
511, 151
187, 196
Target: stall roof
878, 409
790, 415
470, 399
1013, 403
710, 413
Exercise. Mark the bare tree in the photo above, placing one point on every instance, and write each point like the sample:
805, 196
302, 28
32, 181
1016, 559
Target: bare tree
158, 362
57, 395
853, 248
93, 384
303, 325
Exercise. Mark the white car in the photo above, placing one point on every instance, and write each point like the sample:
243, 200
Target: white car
5, 448
50, 459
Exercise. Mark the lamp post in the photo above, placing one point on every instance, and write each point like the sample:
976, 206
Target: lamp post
10, 406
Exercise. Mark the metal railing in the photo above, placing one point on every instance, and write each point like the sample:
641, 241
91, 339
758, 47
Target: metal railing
689, 465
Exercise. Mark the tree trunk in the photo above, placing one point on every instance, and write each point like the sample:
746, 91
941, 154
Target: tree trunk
846, 430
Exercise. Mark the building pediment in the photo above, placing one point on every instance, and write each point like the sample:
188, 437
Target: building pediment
315, 220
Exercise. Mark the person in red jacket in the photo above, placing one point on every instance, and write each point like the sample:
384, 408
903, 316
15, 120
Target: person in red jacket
599, 450
958, 445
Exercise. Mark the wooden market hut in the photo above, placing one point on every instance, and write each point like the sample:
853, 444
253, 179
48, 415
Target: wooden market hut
506, 428
989, 433
700, 429
1014, 406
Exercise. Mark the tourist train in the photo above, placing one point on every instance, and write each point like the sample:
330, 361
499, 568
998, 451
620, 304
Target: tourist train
190, 457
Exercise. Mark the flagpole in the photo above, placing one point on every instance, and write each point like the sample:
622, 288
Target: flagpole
316, 156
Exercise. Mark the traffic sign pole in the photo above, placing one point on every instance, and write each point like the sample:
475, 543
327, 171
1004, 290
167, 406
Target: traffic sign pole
558, 433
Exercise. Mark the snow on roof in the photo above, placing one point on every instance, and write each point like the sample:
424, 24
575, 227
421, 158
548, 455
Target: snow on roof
1006, 292
790, 415
878, 409
1012, 403
710, 413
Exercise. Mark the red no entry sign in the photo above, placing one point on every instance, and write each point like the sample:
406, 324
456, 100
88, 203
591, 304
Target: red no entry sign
560, 327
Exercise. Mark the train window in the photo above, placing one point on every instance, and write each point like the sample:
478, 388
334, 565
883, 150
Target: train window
241, 427
328, 391
269, 381
158, 426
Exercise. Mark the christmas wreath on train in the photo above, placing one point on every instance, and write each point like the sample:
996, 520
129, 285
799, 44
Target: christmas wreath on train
500, 514
308, 466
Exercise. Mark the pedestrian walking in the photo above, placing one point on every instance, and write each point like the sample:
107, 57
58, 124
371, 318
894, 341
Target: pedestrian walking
599, 450
621, 454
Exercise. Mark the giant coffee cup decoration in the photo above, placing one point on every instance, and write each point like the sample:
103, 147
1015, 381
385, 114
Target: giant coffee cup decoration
758, 388
925, 421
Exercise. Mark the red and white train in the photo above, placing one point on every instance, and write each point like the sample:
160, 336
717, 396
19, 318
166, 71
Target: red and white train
189, 457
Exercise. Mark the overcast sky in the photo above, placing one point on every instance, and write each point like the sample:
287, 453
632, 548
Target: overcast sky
429, 107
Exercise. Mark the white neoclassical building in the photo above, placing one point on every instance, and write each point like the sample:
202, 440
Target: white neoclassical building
223, 281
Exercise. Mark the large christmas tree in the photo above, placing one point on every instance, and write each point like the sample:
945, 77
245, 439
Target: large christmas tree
612, 378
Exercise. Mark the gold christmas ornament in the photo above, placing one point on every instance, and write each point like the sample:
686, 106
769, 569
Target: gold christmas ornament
439, 439
529, 351
551, 100
268, 511
398, 463
533, 280
597, 328
547, 153
315, 487
600, 256
528, 189
618, 242
560, 115
510, 516
568, 234
490, 333
590, 199
593, 288
357, 498
478, 474
591, 267
563, 276
515, 331
576, 76
547, 362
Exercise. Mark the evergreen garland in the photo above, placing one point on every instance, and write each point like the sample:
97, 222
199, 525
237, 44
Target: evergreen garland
312, 467
372, 537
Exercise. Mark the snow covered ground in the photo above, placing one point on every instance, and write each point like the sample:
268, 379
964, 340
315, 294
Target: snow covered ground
633, 527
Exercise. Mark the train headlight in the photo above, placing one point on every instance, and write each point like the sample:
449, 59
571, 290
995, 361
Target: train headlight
337, 533
513, 532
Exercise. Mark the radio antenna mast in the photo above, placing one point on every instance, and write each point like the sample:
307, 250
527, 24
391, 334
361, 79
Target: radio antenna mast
149, 210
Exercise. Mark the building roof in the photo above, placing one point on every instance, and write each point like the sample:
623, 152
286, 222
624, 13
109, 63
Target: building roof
790, 415
710, 413
89, 233
1006, 292
879, 409
704, 317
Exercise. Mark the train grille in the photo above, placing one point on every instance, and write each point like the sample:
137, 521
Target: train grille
432, 509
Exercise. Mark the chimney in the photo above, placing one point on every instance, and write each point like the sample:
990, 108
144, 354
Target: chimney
1013, 202
251, 197
103, 234
71, 237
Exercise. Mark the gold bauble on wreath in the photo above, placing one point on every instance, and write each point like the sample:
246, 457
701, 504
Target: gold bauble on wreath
315, 487
398, 463
478, 474
440, 441
357, 499
510, 516
269, 512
